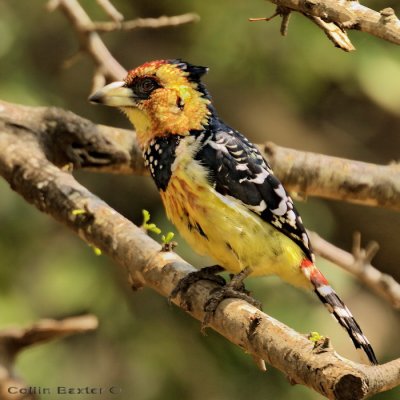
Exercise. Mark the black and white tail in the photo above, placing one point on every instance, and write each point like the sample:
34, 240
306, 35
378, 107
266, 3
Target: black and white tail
338, 309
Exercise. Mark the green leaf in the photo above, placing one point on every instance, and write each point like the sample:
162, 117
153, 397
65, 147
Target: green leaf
153, 228
146, 217
315, 337
167, 238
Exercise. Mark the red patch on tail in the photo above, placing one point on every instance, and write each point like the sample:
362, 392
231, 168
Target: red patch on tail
306, 263
313, 273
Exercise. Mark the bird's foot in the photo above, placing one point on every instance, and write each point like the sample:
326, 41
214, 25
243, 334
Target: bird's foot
234, 289
206, 273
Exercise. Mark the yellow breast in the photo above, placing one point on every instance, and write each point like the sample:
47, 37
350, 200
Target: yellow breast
223, 228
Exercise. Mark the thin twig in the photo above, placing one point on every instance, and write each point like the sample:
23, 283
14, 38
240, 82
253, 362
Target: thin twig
99, 80
359, 264
153, 23
46, 330
279, 12
90, 41
15, 340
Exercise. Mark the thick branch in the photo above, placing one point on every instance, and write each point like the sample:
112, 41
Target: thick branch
350, 15
115, 150
23, 163
311, 174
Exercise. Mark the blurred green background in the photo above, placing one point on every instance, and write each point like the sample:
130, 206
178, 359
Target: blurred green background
297, 91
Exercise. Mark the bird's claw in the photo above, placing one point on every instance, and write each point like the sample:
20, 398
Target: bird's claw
220, 294
207, 273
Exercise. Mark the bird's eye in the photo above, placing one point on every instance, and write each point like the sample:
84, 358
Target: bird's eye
143, 87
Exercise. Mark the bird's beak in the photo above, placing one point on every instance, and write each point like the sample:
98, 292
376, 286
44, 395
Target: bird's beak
115, 94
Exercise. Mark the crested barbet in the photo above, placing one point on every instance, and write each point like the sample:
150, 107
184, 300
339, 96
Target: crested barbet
216, 187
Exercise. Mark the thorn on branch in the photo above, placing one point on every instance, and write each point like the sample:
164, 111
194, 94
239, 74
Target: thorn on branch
260, 363
335, 33
251, 334
363, 257
280, 11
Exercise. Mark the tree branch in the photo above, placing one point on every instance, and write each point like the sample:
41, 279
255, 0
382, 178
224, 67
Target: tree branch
115, 150
152, 23
311, 174
348, 14
90, 41
359, 264
28, 136
333, 32
14, 340
68, 139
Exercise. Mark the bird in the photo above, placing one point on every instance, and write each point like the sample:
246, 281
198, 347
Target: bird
216, 187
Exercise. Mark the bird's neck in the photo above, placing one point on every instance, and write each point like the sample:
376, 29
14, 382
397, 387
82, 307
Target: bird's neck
169, 119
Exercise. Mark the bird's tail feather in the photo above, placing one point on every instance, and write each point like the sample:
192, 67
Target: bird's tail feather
337, 308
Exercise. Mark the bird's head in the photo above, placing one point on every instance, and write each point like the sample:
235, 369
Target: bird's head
160, 98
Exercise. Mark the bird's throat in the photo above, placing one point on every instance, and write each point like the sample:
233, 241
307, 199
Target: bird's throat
141, 122
150, 124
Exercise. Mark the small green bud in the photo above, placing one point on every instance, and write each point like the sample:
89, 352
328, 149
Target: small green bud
168, 237
78, 211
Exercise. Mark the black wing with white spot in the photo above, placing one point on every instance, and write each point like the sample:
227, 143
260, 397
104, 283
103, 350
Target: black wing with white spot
159, 157
238, 169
